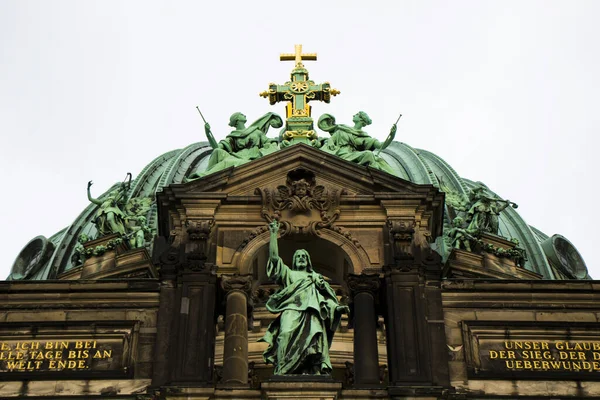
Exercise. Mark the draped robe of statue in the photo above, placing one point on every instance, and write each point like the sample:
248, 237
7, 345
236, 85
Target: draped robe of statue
351, 144
242, 146
300, 337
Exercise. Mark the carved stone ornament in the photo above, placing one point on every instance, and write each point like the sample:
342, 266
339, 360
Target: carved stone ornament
369, 283
401, 234
236, 282
301, 206
199, 230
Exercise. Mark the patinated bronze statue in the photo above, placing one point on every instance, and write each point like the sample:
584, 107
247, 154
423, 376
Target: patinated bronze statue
110, 217
300, 337
484, 211
243, 144
352, 143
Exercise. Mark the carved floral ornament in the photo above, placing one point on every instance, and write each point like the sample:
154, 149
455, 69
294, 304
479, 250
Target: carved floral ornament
301, 196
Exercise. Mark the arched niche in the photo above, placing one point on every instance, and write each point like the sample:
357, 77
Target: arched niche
332, 255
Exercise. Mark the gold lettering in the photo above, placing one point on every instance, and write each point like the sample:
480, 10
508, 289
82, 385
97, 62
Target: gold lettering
81, 364
559, 345
545, 365
510, 364
14, 365
4, 346
493, 354
586, 365
596, 366
107, 353
527, 364
596, 356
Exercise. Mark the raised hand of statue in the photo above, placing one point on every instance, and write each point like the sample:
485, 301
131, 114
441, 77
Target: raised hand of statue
393, 131
90, 183
211, 139
274, 227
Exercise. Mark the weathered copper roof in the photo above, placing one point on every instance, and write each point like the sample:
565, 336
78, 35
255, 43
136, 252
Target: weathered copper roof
415, 165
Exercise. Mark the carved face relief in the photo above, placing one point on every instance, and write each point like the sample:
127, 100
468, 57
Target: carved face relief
300, 188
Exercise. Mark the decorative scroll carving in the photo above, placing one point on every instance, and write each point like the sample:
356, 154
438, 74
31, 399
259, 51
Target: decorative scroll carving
199, 230
401, 234
236, 282
301, 206
369, 283
197, 247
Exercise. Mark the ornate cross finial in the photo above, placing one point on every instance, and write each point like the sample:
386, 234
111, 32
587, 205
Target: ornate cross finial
297, 93
298, 56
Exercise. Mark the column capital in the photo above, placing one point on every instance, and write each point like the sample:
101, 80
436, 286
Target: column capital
236, 283
369, 283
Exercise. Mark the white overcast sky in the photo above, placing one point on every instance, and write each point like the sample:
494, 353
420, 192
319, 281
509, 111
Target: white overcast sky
505, 91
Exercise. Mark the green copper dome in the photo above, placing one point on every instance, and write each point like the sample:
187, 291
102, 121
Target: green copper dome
552, 257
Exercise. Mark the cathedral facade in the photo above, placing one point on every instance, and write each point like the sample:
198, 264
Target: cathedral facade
160, 289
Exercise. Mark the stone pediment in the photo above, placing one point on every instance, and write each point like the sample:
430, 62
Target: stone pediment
315, 196
271, 170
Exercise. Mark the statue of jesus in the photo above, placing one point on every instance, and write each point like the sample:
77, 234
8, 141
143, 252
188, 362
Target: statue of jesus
300, 337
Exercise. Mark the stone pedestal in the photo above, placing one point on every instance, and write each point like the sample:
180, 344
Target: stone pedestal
485, 264
236, 289
103, 264
305, 387
365, 293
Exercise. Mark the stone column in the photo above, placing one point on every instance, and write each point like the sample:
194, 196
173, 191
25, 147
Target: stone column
236, 290
364, 289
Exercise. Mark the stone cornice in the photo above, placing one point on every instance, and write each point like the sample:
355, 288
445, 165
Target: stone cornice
515, 294
79, 294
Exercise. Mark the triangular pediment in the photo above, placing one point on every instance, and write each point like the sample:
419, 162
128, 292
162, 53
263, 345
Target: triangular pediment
271, 171
333, 181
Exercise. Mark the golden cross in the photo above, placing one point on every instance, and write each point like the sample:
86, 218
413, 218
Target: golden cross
298, 56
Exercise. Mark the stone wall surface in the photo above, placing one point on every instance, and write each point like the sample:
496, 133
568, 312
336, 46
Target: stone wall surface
519, 306
75, 308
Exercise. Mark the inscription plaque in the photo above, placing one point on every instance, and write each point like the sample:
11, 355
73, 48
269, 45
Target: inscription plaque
69, 351
532, 350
